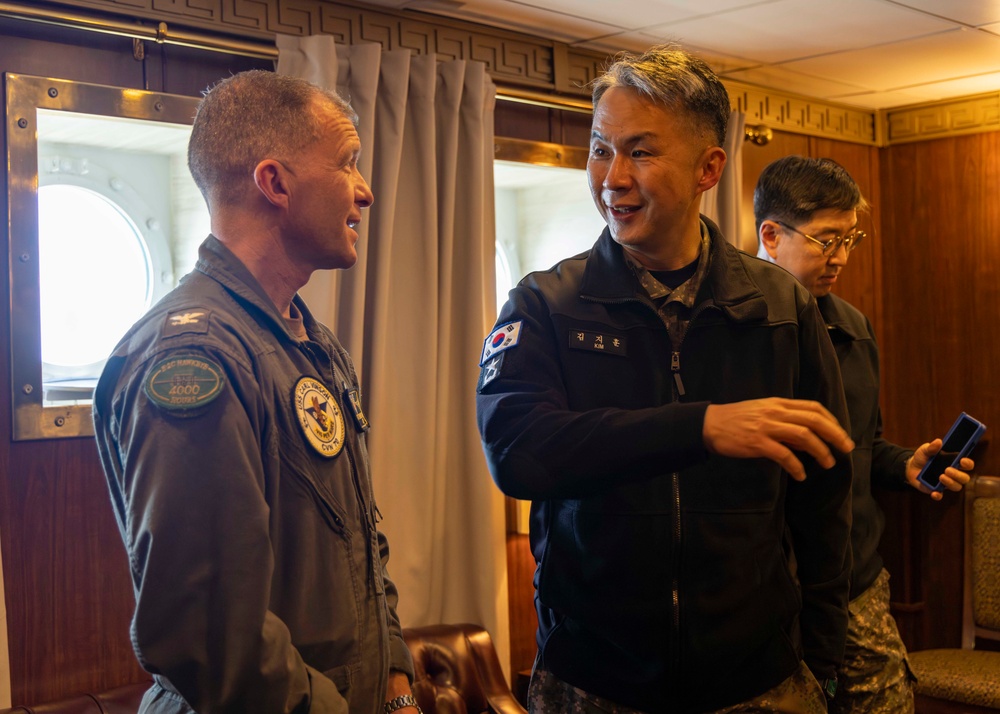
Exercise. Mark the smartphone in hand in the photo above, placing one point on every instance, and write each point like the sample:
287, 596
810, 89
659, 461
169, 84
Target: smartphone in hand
958, 443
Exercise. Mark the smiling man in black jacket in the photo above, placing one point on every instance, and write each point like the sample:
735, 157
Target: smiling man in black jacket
669, 404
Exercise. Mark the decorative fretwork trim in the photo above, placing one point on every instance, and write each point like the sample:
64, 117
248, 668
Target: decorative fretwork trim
935, 120
802, 115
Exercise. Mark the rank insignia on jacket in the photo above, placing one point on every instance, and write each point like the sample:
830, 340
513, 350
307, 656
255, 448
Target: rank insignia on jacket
319, 416
597, 341
502, 338
186, 321
183, 382
353, 399
489, 371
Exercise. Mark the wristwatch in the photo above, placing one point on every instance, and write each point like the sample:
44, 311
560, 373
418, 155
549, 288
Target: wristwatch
406, 700
829, 686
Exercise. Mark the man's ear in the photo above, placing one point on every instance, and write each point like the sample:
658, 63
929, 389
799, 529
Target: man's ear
713, 161
768, 234
272, 180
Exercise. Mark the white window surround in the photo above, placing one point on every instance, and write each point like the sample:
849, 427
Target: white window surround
112, 271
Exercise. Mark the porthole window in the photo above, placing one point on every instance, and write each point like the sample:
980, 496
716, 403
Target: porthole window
96, 280
543, 214
102, 217
104, 257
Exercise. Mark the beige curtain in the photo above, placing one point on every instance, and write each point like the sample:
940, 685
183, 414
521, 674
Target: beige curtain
413, 313
722, 203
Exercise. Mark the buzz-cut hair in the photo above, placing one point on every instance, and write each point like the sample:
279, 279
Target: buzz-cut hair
249, 117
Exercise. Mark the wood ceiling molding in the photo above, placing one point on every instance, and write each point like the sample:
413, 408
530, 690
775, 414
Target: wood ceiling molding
509, 57
581, 70
968, 115
802, 115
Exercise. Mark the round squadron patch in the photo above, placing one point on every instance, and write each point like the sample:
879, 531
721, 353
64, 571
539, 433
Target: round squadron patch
320, 417
183, 382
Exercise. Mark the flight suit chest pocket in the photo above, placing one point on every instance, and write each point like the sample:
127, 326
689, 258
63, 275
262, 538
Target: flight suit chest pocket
303, 497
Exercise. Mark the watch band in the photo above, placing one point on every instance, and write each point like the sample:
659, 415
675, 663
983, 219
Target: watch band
405, 700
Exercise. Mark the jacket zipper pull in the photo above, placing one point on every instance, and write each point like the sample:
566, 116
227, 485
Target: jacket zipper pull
675, 367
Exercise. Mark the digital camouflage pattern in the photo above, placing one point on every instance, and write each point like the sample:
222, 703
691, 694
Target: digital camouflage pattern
875, 676
799, 694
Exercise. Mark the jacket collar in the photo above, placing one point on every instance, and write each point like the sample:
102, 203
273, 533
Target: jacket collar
219, 263
608, 278
836, 317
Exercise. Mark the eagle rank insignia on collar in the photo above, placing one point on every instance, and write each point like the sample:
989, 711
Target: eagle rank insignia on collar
320, 417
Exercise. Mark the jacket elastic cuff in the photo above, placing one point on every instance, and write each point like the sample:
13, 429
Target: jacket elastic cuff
900, 470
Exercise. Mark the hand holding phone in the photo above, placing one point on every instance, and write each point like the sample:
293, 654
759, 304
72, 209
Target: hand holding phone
957, 444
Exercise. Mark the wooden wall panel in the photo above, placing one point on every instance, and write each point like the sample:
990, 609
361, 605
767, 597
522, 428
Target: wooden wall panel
755, 158
859, 281
942, 278
521, 603
69, 596
516, 120
941, 296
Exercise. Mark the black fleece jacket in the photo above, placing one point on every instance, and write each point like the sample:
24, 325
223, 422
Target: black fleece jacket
663, 581
877, 462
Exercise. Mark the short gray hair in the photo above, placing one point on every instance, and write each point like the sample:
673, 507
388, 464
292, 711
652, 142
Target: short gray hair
249, 117
674, 78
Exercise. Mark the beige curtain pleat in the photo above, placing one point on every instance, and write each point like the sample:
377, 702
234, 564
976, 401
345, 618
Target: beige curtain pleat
723, 202
413, 313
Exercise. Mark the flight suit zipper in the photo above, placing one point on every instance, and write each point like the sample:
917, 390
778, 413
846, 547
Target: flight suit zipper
366, 502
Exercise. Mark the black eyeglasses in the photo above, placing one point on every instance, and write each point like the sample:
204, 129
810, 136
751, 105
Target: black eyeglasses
849, 241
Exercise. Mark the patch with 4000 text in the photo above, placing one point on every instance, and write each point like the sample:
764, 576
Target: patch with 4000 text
184, 382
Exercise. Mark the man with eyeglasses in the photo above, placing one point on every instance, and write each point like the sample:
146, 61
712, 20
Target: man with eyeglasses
807, 216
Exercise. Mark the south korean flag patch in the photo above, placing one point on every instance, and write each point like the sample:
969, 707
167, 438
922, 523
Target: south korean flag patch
502, 338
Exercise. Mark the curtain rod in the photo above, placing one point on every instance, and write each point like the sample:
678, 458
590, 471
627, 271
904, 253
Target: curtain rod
161, 34
541, 99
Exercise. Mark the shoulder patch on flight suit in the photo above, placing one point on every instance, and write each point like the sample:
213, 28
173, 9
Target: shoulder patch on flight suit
319, 416
183, 382
597, 341
186, 321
